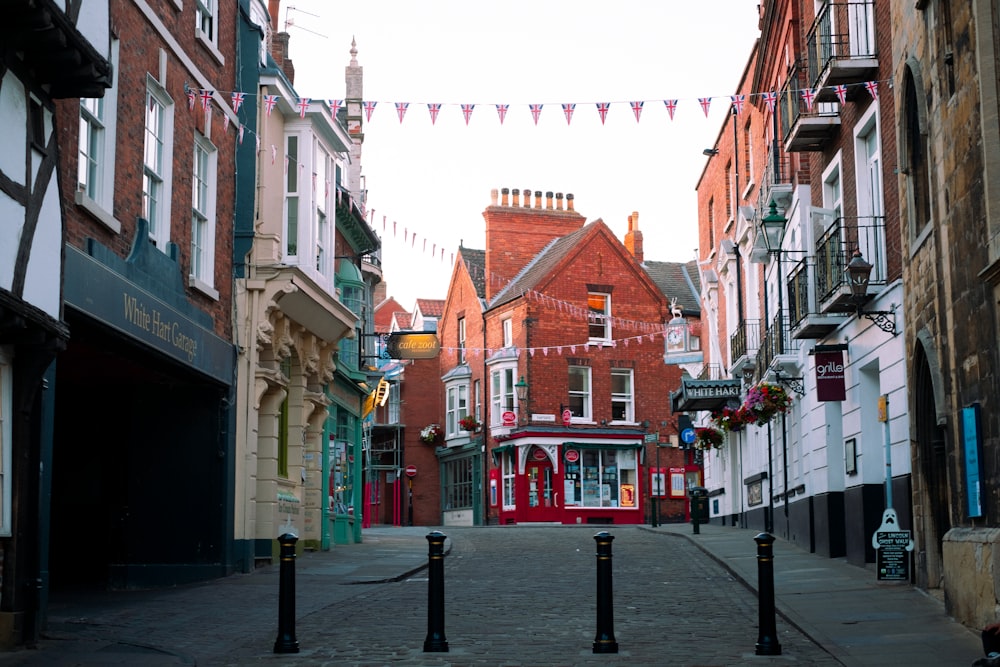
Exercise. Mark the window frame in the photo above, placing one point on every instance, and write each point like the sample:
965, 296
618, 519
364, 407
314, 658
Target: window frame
205, 156
159, 175
457, 484
585, 395
456, 408
502, 393
291, 226
461, 333
599, 322
627, 398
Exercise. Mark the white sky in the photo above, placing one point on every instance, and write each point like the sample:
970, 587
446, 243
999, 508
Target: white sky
435, 180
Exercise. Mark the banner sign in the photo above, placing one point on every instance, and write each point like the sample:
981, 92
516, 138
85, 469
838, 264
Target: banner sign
830, 376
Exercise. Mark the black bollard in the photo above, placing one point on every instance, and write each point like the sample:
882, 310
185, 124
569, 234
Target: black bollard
286, 641
604, 641
435, 641
767, 637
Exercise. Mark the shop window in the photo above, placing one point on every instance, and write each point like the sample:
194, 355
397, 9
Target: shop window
602, 478
457, 484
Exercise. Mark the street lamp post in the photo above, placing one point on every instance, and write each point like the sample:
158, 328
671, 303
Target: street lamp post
521, 388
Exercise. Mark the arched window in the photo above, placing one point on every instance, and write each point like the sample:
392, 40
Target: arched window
915, 154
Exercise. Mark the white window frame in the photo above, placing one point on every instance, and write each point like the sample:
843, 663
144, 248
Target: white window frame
597, 320
292, 200
456, 408
508, 471
99, 132
461, 340
321, 197
586, 394
6, 436
627, 398
204, 180
159, 174
206, 27
507, 327
502, 394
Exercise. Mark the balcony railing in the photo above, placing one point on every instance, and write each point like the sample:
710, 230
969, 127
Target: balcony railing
834, 250
775, 342
841, 45
776, 181
745, 340
804, 318
805, 127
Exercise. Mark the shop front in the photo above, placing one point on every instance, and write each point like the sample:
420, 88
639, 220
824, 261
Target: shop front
578, 481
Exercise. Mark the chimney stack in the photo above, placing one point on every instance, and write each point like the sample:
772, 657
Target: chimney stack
633, 238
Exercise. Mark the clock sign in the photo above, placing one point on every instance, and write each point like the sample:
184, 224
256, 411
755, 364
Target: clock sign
675, 337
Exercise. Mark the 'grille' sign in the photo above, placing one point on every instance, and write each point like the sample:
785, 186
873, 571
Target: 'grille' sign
830, 376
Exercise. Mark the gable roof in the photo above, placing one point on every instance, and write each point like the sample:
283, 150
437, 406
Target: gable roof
430, 307
475, 264
678, 280
543, 264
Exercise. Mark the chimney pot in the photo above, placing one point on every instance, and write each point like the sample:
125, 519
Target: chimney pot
493, 197
569, 202
504, 201
527, 198
559, 201
538, 199
548, 200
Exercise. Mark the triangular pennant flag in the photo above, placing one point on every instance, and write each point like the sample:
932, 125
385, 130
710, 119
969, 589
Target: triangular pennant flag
531, 352
536, 111
705, 102
738, 102
568, 110
274, 153
636, 109
192, 96
269, 102
625, 340
671, 107
225, 123
241, 133
502, 111
467, 111
809, 97
872, 88
257, 137
401, 108
602, 109
206, 98
303, 106
334, 106
841, 91
369, 109
434, 108
771, 99
238, 101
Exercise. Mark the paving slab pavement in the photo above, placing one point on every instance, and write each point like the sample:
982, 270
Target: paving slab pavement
512, 604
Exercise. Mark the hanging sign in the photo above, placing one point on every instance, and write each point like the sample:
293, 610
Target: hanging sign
830, 376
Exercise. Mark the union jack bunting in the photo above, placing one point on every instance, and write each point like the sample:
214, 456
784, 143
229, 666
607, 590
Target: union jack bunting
705, 102
241, 134
738, 102
206, 98
841, 91
334, 106
269, 102
636, 109
502, 111
771, 99
536, 111
303, 106
568, 110
238, 101
872, 88
192, 96
401, 108
671, 107
809, 97
467, 111
434, 108
369, 108
602, 109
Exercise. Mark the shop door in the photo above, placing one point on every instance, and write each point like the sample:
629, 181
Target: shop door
543, 498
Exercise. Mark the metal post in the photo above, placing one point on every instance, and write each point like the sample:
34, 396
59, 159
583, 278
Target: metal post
604, 640
435, 641
658, 488
767, 637
286, 641
409, 509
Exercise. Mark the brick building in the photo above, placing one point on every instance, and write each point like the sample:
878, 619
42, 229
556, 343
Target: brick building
149, 180
552, 342
780, 297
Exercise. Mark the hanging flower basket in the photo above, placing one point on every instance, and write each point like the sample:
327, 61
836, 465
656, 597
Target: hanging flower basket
708, 438
431, 434
469, 423
731, 419
764, 401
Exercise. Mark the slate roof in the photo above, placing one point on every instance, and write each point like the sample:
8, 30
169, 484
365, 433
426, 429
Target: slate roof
475, 263
539, 267
678, 280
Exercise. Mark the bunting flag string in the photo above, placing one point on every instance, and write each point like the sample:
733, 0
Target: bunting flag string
671, 106
434, 109
637, 109
536, 111
705, 103
568, 110
602, 109
738, 102
401, 108
502, 111
467, 111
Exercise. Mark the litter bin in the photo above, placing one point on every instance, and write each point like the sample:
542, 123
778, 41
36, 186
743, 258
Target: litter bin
699, 507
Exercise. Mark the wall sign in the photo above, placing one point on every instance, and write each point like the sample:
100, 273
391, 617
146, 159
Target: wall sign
972, 446
830, 376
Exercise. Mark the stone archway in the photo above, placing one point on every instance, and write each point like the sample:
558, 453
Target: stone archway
932, 481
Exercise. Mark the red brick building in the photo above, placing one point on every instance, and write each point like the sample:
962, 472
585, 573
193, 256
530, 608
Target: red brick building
552, 342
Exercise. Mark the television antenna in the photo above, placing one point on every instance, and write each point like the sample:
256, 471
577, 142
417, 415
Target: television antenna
290, 20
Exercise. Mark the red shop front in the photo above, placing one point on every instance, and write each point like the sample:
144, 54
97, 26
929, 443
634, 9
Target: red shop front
550, 480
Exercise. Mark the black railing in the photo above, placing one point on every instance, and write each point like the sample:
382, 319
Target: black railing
745, 341
792, 105
842, 30
798, 292
775, 342
777, 171
838, 243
